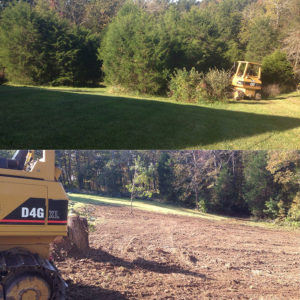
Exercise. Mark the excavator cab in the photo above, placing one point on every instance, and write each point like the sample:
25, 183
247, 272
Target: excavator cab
246, 81
33, 212
17, 162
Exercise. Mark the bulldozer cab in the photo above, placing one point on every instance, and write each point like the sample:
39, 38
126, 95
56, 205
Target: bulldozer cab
248, 69
246, 81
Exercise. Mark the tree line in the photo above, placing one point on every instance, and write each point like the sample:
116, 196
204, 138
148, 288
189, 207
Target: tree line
263, 184
139, 44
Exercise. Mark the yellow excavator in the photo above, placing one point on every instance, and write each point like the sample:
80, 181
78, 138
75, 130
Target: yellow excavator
246, 81
33, 211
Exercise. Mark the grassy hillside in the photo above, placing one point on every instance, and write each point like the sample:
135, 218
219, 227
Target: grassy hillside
59, 118
143, 205
79, 201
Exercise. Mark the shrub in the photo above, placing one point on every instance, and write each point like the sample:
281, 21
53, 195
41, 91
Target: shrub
271, 90
202, 205
276, 69
184, 85
294, 211
271, 210
216, 85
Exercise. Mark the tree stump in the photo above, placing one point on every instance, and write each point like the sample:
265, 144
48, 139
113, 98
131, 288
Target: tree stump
78, 233
76, 244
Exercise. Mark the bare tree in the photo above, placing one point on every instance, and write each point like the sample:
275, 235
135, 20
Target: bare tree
292, 48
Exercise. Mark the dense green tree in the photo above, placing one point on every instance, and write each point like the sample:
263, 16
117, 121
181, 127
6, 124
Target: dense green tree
285, 169
223, 192
257, 188
18, 43
199, 41
165, 176
133, 53
262, 40
140, 49
38, 47
142, 178
277, 69
228, 16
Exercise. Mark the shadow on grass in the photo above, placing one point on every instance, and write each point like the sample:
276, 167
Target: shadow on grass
39, 118
77, 291
99, 255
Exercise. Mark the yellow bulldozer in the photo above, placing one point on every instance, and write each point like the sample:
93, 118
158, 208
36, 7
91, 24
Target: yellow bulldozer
246, 81
33, 211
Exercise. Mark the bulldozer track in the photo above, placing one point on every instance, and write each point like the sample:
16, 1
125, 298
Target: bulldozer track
16, 261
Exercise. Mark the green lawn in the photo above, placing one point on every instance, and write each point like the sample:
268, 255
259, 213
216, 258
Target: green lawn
93, 119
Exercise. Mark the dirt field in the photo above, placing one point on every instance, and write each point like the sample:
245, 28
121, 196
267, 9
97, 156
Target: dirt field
156, 256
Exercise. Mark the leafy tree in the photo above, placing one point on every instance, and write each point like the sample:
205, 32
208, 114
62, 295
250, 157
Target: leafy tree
7, 153
228, 16
256, 182
284, 167
272, 208
72, 10
223, 192
99, 13
277, 11
291, 46
133, 53
277, 69
140, 186
18, 42
38, 47
199, 41
165, 176
111, 176
294, 211
262, 40
140, 50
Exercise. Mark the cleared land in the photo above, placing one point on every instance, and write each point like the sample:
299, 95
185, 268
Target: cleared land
150, 255
60, 118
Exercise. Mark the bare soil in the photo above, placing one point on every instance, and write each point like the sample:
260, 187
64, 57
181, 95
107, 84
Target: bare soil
155, 256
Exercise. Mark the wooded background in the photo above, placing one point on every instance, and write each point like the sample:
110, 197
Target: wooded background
263, 184
258, 183
138, 44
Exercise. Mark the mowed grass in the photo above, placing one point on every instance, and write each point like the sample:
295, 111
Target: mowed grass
91, 118
81, 200
151, 206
